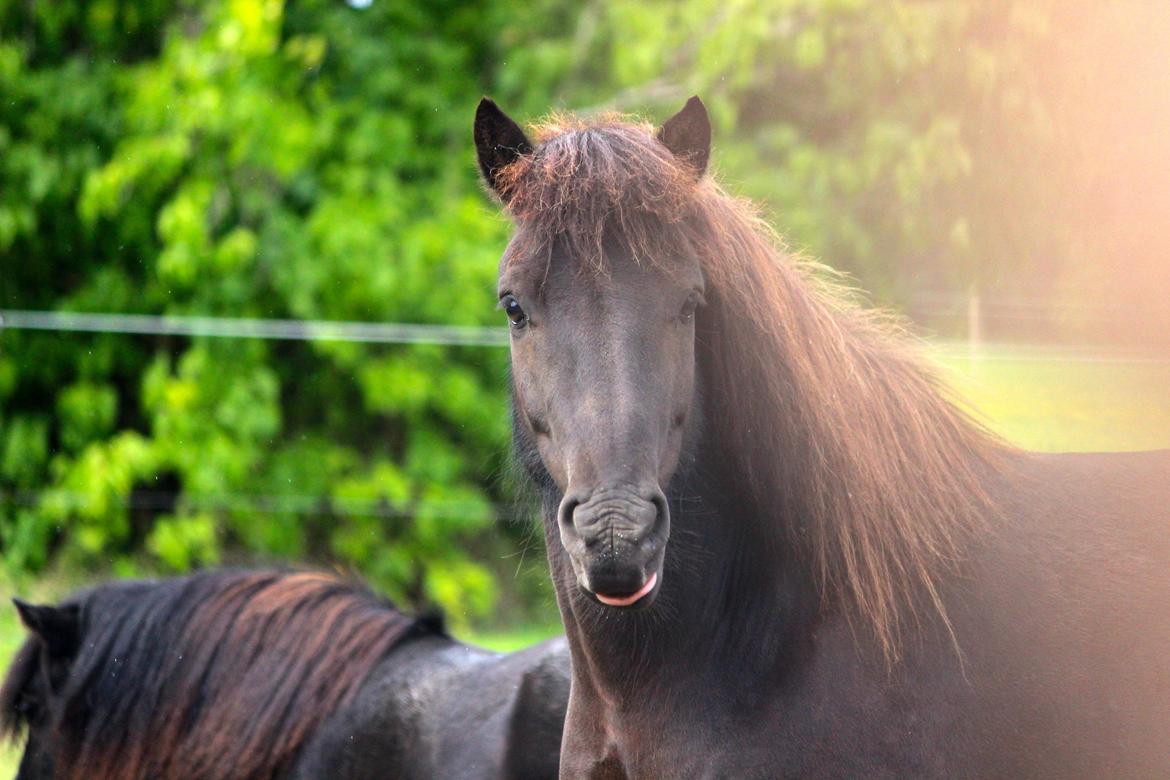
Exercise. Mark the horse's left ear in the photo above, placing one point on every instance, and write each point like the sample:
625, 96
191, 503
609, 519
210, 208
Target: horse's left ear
687, 135
59, 628
499, 142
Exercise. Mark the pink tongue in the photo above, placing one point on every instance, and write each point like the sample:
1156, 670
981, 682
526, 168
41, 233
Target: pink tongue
625, 601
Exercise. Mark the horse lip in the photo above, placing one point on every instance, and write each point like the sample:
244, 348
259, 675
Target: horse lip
633, 598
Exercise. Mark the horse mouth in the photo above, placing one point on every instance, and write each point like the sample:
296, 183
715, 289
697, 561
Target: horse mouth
631, 599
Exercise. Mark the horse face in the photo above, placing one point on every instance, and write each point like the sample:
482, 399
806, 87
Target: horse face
603, 371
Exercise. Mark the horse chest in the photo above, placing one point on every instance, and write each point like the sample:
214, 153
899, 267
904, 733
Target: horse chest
655, 742
701, 759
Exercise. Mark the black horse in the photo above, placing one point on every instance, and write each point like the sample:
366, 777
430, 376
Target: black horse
272, 675
778, 548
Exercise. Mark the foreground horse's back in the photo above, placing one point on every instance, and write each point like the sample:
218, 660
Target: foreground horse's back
1057, 666
1069, 614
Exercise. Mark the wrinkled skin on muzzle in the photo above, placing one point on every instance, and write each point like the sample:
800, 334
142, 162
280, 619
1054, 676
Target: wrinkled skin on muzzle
603, 368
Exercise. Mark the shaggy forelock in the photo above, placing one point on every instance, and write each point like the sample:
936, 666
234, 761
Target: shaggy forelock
596, 186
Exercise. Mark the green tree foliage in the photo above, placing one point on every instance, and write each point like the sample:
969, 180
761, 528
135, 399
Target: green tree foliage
312, 160
249, 160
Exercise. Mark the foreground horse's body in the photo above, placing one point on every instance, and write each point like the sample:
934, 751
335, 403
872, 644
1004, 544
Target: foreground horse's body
269, 675
778, 549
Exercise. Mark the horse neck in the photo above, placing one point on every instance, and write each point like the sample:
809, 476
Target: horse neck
727, 601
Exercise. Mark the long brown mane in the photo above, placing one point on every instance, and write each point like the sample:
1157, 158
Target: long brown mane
847, 442
221, 674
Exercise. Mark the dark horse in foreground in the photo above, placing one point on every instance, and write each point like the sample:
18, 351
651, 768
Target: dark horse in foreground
778, 549
249, 675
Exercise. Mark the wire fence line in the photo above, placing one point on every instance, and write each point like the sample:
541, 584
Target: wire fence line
395, 333
1014, 353
249, 328
462, 335
281, 504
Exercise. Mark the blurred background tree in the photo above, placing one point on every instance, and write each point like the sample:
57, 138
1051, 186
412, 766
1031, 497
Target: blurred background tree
967, 162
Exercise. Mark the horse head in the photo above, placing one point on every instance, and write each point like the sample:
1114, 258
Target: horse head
602, 289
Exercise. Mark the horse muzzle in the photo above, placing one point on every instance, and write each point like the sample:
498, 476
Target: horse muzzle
616, 540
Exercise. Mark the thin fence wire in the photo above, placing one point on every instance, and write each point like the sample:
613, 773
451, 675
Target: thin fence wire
282, 504
395, 333
466, 335
248, 328
992, 352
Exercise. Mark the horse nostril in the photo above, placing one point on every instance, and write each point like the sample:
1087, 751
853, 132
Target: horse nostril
658, 498
565, 515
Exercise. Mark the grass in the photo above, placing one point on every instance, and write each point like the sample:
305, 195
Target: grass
1064, 402
507, 639
11, 635
1049, 401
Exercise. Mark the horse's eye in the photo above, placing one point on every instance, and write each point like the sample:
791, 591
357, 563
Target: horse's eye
693, 301
516, 315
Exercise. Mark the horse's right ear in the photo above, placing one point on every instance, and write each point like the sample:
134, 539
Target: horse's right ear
687, 135
498, 142
59, 628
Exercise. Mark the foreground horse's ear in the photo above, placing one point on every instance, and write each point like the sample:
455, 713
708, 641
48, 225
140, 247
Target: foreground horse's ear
687, 135
498, 142
58, 627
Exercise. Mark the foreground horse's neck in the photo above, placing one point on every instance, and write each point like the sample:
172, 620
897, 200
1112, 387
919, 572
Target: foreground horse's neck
727, 603
832, 477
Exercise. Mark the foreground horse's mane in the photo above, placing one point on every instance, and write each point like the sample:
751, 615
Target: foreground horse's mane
221, 674
848, 443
